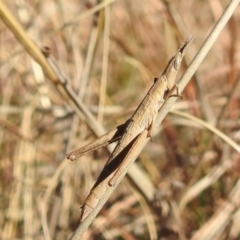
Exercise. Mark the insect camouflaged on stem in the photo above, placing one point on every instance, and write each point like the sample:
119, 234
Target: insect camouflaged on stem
143, 119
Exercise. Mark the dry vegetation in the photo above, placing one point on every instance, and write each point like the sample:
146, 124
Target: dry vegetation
110, 60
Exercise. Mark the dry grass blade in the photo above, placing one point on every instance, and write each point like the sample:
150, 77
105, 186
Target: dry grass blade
216, 173
22, 37
55, 77
218, 133
93, 10
214, 228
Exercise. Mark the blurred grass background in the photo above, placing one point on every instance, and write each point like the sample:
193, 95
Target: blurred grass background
109, 55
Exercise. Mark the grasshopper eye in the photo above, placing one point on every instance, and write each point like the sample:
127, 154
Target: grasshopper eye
178, 61
155, 79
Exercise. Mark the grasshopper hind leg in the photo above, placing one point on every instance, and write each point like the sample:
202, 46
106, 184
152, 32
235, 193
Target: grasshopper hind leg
128, 158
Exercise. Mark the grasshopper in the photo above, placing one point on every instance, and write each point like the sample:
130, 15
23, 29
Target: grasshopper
130, 133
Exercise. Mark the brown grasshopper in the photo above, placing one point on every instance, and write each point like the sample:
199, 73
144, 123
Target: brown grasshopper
130, 133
